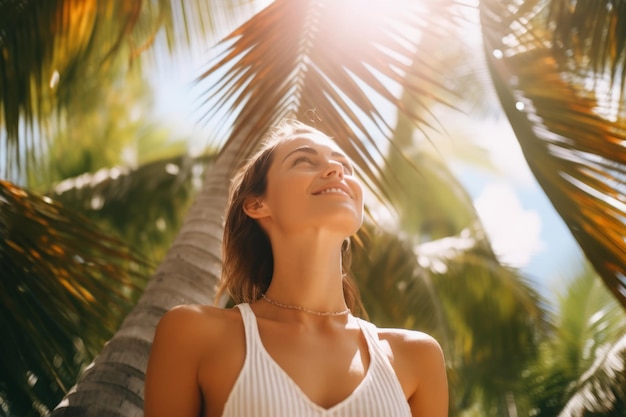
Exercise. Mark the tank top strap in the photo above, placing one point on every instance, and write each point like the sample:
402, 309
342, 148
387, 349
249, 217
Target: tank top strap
250, 326
369, 330
371, 335
387, 386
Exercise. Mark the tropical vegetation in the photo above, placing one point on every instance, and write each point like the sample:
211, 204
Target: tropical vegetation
107, 221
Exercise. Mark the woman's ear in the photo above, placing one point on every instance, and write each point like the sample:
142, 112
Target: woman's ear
255, 208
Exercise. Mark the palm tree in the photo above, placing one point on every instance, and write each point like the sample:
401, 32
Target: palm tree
70, 296
560, 77
583, 356
309, 61
55, 286
447, 286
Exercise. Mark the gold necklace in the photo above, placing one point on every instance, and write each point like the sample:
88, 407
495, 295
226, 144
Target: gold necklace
306, 310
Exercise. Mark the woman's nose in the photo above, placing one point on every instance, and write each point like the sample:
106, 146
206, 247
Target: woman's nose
334, 168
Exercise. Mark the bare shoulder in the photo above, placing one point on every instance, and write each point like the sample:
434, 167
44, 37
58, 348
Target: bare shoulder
193, 324
195, 314
410, 342
185, 336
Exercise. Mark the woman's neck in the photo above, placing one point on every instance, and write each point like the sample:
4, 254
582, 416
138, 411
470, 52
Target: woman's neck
307, 273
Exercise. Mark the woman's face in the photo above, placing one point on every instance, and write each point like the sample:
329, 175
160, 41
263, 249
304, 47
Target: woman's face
311, 185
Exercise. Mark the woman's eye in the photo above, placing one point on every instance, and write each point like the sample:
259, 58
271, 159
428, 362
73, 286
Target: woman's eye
347, 167
304, 159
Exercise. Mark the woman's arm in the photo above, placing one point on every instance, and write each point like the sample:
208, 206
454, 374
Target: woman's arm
171, 385
431, 395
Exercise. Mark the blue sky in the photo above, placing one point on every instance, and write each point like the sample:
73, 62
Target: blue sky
524, 228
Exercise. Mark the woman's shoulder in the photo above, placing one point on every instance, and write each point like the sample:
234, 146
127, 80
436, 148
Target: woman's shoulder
193, 313
193, 323
406, 337
188, 339
411, 346
415, 356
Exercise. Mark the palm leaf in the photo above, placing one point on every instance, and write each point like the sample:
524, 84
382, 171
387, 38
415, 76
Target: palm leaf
572, 132
54, 50
48, 46
494, 314
581, 367
329, 63
602, 389
591, 343
393, 293
65, 288
143, 206
593, 35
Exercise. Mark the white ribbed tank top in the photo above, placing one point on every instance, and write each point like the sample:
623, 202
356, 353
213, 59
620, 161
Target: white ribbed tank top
263, 388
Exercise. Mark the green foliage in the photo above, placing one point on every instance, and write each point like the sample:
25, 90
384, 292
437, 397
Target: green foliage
100, 128
62, 52
67, 281
581, 367
144, 207
559, 76
48, 47
394, 292
494, 315
64, 289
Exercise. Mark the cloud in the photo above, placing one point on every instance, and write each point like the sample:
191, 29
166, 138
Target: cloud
499, 141
513, 231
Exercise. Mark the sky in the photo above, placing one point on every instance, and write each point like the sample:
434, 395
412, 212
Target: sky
523, 226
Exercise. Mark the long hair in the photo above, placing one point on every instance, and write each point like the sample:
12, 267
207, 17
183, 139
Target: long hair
247, 260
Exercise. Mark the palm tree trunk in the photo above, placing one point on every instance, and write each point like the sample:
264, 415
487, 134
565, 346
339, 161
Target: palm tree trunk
112, 385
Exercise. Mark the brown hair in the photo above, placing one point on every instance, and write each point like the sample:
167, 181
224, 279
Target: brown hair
247, 261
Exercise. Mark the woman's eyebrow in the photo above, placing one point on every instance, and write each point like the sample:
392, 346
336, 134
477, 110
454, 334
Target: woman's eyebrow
312, 151
305, 149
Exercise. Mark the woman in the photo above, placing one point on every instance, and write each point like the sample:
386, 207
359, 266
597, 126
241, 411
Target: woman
291, 347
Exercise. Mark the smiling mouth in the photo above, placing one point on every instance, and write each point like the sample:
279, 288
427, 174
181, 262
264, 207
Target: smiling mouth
333, 190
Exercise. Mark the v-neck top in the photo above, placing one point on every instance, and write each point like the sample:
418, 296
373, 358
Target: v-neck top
264, 389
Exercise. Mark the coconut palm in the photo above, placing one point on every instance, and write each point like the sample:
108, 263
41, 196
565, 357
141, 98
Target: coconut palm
583, 357
295, 57
560, 74
449, 283
70, 295
66, 282
570, 127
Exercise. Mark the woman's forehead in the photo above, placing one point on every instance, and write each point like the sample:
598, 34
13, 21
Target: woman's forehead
313, 139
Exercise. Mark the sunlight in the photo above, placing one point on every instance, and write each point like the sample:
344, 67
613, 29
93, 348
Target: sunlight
361, 8
361, 18
607, 93
513, 230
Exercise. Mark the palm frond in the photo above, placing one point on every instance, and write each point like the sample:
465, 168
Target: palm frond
144, 206
47, 47
494, 312
580, 368
571, 131
592, 37
602, 389
51, 49
393, 293
65, 288
328, 63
